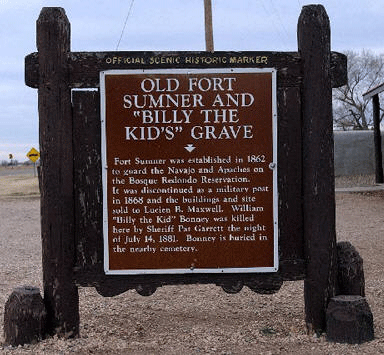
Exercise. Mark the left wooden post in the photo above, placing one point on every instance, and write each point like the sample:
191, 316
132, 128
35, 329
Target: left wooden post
57, 202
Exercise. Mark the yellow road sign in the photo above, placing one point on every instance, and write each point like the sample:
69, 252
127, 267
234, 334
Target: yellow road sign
33, 155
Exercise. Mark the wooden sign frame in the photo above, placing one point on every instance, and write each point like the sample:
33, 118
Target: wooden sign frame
70, 179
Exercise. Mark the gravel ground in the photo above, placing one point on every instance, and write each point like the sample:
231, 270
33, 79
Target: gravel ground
353, 181
195, 319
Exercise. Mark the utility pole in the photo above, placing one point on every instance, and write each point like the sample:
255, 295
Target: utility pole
208, 26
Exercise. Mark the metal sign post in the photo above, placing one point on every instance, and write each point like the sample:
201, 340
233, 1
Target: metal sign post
33, 156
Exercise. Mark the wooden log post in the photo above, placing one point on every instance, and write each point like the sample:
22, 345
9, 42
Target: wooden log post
349, 320
377, 140
350, 272
57, 203
318, 167
24, 316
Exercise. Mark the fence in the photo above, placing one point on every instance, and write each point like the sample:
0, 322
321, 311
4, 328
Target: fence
354, 153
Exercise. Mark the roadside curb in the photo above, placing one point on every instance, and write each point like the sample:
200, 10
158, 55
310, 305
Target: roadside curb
378, 187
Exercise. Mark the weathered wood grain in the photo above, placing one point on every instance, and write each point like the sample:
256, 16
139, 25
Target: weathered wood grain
57, 210
350, 272
349, 320
24, 316
318, 168
291, 242
85, 67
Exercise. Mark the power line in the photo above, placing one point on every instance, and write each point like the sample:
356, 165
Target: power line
279, 18
278, 30
125, 24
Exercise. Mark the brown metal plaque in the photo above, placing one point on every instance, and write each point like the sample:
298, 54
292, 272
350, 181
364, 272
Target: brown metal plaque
189, 170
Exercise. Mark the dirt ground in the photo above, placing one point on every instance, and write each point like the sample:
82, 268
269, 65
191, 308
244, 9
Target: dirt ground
189, 319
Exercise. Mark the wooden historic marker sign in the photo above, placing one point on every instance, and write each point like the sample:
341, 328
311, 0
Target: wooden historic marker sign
189, 170
188, 162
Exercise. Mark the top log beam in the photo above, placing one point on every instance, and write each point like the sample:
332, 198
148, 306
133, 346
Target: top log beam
86, 66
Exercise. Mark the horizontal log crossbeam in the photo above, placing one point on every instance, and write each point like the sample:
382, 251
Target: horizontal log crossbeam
84, 67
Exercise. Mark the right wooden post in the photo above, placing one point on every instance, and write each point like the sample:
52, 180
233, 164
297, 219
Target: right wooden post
318, 165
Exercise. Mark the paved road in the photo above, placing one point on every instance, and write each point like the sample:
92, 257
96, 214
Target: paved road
20, 170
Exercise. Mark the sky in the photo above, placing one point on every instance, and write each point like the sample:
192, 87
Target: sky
160, 25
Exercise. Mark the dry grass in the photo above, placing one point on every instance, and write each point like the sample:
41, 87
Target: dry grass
18, 186
357, 180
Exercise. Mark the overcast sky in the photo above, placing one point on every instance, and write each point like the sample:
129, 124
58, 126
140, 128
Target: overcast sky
161, 25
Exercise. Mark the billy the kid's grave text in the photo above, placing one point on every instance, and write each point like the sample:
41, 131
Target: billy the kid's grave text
190, 170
